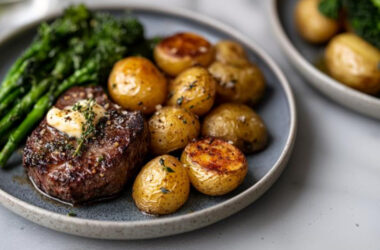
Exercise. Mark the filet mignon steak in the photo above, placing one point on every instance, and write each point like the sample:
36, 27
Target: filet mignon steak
113, 153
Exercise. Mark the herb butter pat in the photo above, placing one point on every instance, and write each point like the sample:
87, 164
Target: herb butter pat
70, 120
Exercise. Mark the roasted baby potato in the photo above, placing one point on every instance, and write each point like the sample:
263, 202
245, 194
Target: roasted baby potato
171, 128
176, 53
354, 62
136, 84
244, 84
230, 52
214, 166
312, 25
194, 89
238, 124
162, 186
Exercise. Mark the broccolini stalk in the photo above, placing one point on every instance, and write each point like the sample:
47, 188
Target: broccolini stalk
95, 43
75, 20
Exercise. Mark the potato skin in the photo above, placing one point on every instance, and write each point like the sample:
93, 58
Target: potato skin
354, 62
162, 186
180, 51
312, 25
171, 128
230, 52
238, 84
194, 89
214, 166
136, 84
238, 124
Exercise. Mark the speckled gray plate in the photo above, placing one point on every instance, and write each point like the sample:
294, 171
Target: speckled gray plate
304, 56
119, 218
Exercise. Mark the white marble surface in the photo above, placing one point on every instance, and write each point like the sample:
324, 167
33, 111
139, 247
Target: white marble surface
327, 198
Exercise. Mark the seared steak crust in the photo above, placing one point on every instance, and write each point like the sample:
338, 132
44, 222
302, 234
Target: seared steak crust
111, 156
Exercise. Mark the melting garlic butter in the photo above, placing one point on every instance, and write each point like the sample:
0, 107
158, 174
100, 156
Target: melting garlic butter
70, 121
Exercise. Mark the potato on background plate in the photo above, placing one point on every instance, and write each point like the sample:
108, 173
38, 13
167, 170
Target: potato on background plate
354, 62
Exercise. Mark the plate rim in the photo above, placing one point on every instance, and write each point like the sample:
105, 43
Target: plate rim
308, 70
41, 216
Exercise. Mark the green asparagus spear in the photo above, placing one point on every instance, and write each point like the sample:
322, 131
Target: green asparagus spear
18, 135
16, 113
11, 98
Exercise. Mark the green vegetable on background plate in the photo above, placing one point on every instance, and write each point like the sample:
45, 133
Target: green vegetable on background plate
363, 16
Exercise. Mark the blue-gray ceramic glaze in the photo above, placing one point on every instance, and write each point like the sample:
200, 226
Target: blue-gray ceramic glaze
274, 110
312, 52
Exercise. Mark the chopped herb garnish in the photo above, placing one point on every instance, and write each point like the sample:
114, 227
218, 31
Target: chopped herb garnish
88, 127
69, 146
71, 214
100, 158
164, 190
191, 106
184, 121
192, 85
162, 162
180, 100
169, 169
166, 168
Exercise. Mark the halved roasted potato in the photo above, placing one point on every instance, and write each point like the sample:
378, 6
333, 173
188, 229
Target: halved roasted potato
243, 84
194, 89
215, 167
135, 83
162, 186
238, 124
171, 128
178, 52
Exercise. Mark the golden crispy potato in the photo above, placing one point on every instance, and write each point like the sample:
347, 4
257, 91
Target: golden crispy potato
162, 186
178, 52
238, 124
215, 167
136, 84
354, 62
312, 25
194, 89
238, 84
171, 128
230, 52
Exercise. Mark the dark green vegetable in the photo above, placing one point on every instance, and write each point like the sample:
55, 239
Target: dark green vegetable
11, 98
17, 112
330, 8
362, 15
75, 19
78, 48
